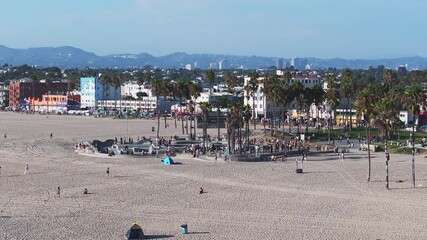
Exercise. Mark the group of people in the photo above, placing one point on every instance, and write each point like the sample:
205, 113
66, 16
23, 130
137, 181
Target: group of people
58, 189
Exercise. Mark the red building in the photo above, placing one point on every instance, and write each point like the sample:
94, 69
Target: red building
25, 89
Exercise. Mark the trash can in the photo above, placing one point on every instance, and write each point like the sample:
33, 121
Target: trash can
152, 129
184, 229
299, 170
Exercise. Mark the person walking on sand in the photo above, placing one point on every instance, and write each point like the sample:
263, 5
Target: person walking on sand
26, 170
51, 135
58, 192
5, 136
108, 171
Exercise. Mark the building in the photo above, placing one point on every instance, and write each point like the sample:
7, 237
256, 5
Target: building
91, 91
265, 108
52, 103
279, 63
4, 95
27, 88
131, 88
298, 63
188, 67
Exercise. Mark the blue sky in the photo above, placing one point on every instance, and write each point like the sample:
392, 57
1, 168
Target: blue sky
275, 28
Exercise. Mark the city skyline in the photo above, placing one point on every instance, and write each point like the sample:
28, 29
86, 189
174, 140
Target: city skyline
271, 28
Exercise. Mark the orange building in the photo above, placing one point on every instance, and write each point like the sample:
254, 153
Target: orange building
52, 103
26, 89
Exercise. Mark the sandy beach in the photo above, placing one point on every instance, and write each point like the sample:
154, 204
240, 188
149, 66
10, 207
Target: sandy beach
262, 200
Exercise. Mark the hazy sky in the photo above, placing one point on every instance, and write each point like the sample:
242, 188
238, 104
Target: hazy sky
275, 28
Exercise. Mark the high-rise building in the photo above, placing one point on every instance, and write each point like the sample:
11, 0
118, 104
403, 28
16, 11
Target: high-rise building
298, 63
279, 63
188, 67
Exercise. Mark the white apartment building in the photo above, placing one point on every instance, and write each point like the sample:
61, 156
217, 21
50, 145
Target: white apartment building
265, 108
131, 88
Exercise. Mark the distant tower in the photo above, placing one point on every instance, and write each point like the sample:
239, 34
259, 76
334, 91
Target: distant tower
279, 63
195, 65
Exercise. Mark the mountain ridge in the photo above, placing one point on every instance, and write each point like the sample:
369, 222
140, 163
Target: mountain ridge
72, 57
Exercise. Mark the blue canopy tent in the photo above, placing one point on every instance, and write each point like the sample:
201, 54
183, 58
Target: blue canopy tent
168, 161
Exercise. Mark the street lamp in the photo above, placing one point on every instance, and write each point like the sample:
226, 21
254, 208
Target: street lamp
217, 122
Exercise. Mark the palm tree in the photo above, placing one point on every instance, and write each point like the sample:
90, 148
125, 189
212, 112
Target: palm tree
181, 90
251, 89
247, 115
364, 104
332, 98
205, 107
158, 88
348, 90
105, 80
413, 99
117, 81
194, 91
211, 79
231, 81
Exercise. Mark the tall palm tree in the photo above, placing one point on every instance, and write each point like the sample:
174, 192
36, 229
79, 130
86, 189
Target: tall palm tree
105, 80
205, 107
332, 98
364, 104
251, 90
158, 88
194, 91
348, 90
210, 79
117, 81
181, 91
247, 115
413, 99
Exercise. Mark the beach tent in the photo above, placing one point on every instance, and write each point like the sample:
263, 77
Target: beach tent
168, 161
135, 232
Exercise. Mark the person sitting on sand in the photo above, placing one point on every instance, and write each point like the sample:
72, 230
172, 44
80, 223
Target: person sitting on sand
5, 135
108, 171
85, 191
201, 190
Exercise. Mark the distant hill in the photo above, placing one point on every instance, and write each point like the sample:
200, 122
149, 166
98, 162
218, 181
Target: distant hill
70, 57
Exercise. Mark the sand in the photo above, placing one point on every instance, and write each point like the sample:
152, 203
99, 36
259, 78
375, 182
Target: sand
331, 200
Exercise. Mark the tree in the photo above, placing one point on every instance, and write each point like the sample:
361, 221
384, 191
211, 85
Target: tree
251, 89
117, 81
158, 88
205, 107
348, 90
210, 79
231, 81
332, 98
247, 115
413, 99
194, 91
364, 104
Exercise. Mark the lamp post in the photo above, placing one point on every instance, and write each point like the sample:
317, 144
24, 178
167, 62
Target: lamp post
217, 122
